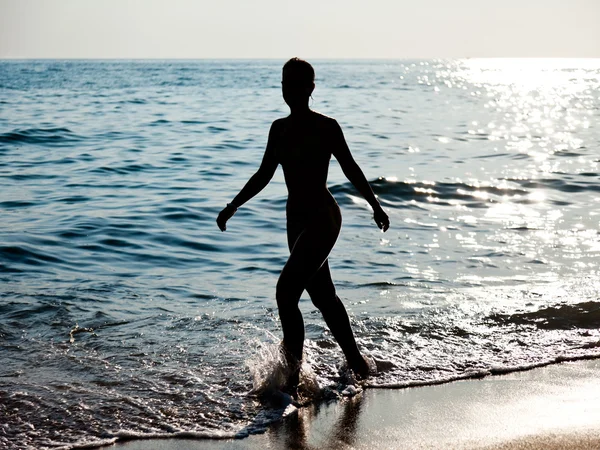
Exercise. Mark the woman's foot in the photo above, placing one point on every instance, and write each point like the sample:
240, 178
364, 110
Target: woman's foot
361, 368
291, 385
292, 371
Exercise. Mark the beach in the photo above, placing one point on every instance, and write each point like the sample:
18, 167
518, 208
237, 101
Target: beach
553, 407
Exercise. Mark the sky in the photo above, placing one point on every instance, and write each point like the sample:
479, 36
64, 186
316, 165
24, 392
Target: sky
308, 29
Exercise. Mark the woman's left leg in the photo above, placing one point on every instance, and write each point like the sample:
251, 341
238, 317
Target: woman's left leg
322, 293
309, 250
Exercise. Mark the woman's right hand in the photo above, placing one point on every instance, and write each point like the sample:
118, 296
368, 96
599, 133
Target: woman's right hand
381, 218
225, 215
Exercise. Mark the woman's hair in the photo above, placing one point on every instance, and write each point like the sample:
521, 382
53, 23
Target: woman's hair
302, 70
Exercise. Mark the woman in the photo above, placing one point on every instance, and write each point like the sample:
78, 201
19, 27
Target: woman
303, 144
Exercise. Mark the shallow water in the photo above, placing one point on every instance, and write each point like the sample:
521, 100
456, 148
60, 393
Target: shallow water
125, 311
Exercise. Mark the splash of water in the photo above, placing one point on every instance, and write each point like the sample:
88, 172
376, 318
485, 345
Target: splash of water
271, 369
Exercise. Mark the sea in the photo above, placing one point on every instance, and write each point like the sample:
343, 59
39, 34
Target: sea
126, 313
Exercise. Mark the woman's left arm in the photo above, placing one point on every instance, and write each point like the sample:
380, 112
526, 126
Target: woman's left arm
356, 176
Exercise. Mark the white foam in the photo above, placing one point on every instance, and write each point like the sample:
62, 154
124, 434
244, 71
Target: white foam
270, 370
496, 370
268, 367
207, 434
89, 444
127, 435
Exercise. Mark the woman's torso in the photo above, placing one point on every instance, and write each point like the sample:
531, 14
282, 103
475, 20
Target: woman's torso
304, 149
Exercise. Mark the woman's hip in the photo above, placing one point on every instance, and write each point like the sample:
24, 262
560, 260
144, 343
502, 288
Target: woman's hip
325, 222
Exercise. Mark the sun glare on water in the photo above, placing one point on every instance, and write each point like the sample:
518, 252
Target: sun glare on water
529, 72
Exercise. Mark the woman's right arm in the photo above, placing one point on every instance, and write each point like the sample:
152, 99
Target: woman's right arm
257, 182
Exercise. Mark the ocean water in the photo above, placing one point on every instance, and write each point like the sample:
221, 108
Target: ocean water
125, 312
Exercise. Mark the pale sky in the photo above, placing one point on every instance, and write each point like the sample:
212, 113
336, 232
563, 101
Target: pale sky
309, 29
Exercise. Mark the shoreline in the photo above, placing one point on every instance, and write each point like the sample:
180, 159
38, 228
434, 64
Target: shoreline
555, 406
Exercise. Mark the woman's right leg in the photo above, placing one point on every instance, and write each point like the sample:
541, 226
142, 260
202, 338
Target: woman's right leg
323, 295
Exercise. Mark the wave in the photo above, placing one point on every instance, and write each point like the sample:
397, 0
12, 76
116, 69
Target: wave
134, 101
214, 129
562, 185
159, 122
10, 204
182, 214
193, 122
406, 193
127, 435
130, 168
475, 374
21, 254
584, 315
40, 136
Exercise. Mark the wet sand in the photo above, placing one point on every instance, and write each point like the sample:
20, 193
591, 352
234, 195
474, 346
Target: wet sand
554, 407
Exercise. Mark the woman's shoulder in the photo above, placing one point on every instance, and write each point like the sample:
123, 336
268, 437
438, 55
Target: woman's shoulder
329, 125
279, 122
323, 122
323, 118
278, 126
326, 124
316, 115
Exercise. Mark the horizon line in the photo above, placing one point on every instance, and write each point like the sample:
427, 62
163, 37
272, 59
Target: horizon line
274, 58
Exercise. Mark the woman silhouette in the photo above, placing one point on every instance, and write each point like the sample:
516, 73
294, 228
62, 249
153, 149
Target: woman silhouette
303, 143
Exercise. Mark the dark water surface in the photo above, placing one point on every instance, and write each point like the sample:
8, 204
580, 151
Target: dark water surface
124, 310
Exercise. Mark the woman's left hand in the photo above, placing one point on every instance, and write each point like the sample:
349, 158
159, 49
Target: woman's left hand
381, 219
224, 216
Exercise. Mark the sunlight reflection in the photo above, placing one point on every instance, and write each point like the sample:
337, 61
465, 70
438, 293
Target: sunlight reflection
537, 106
537, 196
534, 72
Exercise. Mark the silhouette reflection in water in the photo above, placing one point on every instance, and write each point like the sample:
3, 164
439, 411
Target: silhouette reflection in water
294, 432
303, 144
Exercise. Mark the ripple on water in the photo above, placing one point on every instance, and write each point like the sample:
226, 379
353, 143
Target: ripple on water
40, 136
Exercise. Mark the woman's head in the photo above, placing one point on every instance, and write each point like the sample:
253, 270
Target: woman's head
298, 82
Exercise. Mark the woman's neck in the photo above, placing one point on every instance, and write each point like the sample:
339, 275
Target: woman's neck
300, 111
